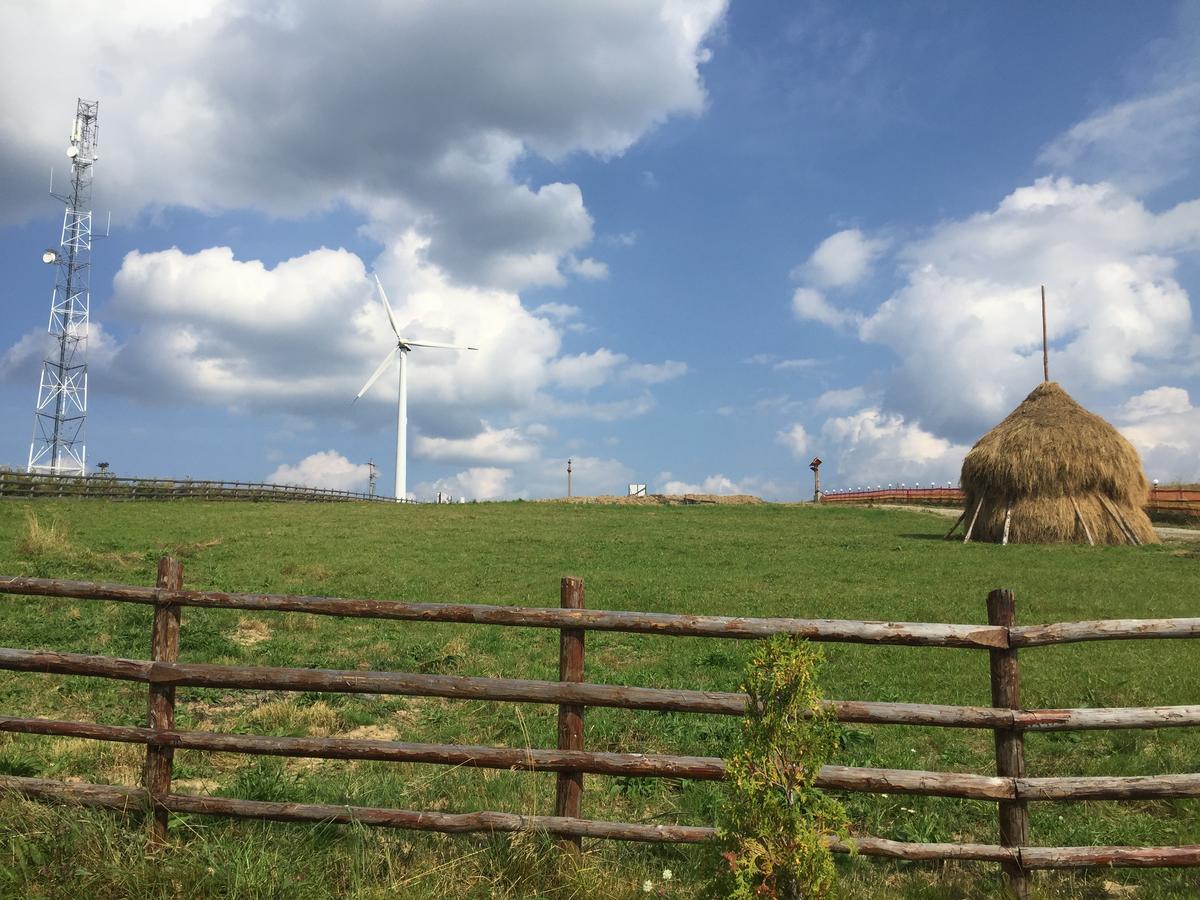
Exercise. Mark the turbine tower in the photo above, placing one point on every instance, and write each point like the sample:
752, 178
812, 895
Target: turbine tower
57, 447
403, 346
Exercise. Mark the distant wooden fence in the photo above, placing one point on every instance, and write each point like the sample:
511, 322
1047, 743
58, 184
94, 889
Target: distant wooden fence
1011, 788
22, 485
1183, 500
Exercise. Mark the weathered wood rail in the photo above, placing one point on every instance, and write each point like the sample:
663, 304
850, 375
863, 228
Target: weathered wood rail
33, 486
1011, 788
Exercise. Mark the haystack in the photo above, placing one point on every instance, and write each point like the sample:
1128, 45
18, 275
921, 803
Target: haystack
1052, 472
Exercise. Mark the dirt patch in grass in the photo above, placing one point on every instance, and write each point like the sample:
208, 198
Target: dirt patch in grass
250, 632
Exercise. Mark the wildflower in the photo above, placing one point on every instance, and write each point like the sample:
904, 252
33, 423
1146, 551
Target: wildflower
647, 886
668, 874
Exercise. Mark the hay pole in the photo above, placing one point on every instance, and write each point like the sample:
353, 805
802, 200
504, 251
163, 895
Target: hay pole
1007, 522
1045, 343
971, 527
957, 522
1079, 518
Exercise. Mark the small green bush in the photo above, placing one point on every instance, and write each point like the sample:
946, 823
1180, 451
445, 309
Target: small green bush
774, 820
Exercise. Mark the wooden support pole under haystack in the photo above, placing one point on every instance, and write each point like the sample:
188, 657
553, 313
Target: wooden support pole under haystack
1087, 532
971, 527
962, 515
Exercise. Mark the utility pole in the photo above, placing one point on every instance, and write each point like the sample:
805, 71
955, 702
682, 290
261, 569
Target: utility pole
372, 473
569, 477
57, 447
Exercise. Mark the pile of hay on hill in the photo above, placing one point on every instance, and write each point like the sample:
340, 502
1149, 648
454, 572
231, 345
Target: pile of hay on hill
1057, 474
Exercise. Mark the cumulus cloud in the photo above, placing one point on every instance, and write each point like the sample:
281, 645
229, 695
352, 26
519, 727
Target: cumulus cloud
267, 103
494, 445
872, 445
795, 439
841, 260
1152, 137
1165, 427
840, 399
475, 483
327, 469
585, 371
303, 337
713, 484
810, 304
966, 322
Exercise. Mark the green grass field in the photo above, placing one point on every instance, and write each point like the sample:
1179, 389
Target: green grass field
745, 560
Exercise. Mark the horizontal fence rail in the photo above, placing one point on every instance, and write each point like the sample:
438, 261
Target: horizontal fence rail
1184, 500
22, 485
1012, 788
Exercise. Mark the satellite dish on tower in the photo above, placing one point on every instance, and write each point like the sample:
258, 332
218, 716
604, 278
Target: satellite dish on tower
72, 152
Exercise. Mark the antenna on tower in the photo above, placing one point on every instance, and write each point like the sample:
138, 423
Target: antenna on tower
57, 447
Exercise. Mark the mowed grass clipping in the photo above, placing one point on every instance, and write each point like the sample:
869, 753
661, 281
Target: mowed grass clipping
769, 560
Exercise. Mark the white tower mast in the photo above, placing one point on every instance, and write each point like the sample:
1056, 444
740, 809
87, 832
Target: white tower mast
57, 446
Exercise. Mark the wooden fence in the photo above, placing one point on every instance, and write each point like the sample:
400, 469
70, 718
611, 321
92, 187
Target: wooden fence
22, 485
1012, 788
1181, 500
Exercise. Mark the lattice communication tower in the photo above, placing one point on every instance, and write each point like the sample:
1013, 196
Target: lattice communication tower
57, 447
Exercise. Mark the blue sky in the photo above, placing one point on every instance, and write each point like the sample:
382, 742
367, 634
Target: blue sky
697, 243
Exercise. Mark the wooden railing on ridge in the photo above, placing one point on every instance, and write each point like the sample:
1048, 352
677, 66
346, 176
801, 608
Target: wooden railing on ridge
1162, 499
1001, 639
23, 485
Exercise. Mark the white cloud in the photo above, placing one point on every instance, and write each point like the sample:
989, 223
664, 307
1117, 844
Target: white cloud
841, 260
475, 483
871, 445
591, 269
795, 439
1142, 143
1152, 136
1165, 428
841, 398
654, 373
559, 312
1162, 401
713, 484
301, 338
492, 445
586, 371
966, 324
269, 103
795, 365
327, 469
808, 303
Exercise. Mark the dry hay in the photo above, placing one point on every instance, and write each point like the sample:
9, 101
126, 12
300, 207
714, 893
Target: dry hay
665, 500
1049, 456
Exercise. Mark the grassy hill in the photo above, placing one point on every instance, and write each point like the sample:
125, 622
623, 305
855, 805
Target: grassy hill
748, 560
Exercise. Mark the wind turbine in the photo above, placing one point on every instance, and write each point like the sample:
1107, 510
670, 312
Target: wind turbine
401, 349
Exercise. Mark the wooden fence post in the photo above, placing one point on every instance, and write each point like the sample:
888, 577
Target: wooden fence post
1010, 742
569, 794
164, 646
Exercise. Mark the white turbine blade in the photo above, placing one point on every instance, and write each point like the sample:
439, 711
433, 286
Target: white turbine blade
387, 306
438, 346
375, 375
